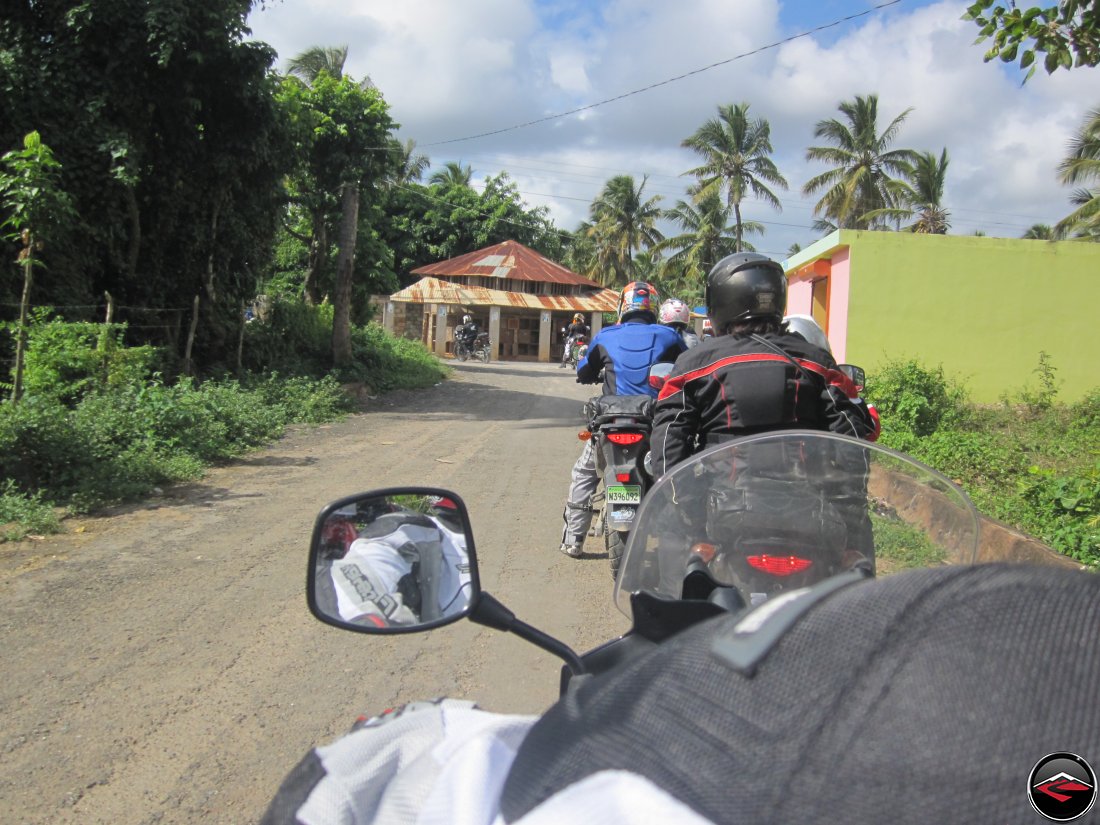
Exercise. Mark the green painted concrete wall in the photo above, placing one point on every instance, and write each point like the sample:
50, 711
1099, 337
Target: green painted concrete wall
983, 307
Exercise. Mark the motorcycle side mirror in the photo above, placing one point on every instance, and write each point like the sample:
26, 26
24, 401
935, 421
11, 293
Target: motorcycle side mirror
402, 560
658, 374
856, 374
398, 560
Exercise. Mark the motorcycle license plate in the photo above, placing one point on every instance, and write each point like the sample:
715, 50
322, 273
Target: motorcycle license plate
624, 494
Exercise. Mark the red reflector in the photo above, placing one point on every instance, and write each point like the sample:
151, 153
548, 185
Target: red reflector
622, 478
656, 381
624, 438
778, 565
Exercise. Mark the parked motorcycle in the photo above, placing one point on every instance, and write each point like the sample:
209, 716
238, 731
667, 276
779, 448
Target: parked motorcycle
478, 348
750, 521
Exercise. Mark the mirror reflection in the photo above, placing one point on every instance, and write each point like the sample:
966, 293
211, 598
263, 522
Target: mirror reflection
396, 562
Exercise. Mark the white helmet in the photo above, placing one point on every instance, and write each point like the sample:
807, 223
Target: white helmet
674, 311
466, 319
809, 329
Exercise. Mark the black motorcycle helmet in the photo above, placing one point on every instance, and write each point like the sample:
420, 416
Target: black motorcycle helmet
745, 286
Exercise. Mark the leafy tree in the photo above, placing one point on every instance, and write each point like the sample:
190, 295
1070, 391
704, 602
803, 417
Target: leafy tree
1067, 34
425, 225
623, 221
173, 156
451, 175
860, 181
736, 154
1082, 166
342, 124
34, 209
580, 251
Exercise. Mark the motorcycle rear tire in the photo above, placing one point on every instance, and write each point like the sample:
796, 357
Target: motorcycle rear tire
615, 542
461, 352
483, 354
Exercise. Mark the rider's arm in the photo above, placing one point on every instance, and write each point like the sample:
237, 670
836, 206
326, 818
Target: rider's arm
675, 426
591, 366
848, 416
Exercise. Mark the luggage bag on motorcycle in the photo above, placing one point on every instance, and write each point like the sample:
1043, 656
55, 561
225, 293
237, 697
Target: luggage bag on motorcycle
605, 409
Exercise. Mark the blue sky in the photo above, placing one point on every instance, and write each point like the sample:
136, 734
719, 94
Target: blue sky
450, 70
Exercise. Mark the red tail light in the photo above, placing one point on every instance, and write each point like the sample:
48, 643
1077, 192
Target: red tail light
625, 439
656, 381
622, 478
778, 565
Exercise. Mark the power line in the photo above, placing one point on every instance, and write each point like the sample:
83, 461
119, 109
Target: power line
666, 82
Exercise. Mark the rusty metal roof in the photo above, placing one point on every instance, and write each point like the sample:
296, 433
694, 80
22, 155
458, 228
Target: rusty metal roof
434, 291
509, 259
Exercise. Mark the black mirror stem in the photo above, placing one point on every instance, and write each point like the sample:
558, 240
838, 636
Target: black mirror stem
491, 613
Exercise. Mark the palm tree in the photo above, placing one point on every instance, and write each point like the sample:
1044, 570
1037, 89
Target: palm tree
623, 221
317, 59
1039, 232
926, 184
920, 196
707, 238
409, 165
1083, 166
860, 180
736, 160
452, 174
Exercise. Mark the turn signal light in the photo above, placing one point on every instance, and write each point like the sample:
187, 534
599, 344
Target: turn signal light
778, 565
625, 439
584, 435
704, 550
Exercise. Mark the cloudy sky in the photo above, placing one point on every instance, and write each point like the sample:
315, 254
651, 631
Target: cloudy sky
455, 69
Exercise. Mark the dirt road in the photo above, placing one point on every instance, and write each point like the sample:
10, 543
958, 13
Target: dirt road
160, 664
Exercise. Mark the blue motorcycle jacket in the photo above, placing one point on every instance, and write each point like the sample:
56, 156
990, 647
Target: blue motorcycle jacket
625, 352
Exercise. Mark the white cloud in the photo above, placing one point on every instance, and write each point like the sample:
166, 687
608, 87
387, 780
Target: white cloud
454, 69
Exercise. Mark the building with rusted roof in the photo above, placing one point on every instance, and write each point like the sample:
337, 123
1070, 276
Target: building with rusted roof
523, 299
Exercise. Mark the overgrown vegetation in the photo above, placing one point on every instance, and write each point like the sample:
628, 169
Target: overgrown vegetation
97, 425
901, 545
1029, 461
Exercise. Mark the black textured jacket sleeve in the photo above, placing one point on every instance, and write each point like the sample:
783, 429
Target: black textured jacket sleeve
733, 386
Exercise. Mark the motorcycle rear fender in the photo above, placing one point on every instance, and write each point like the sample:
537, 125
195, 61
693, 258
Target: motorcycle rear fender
617, 458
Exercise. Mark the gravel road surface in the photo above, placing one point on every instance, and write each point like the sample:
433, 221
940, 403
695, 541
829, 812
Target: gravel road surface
159, 662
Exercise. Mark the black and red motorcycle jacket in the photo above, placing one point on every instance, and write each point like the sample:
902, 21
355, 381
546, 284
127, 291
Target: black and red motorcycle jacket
733, 386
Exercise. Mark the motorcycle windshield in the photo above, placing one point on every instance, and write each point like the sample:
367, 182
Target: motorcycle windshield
779, 511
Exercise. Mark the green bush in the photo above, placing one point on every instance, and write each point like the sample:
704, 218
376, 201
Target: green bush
915, 400
1065, 510
385, 362
117, 445
22, 514
293, 339
67, 360
96, 426
306, 401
